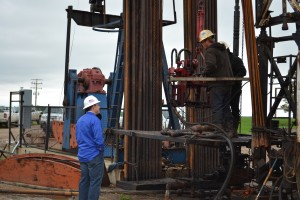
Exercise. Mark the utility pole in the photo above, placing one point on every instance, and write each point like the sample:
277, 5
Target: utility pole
36, 85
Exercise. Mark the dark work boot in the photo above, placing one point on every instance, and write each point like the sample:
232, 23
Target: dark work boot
231, 130
218, 128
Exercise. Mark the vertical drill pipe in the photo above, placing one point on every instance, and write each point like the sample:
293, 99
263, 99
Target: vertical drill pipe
190, 13
143, 81
127, 57
211, 22
298, 100
190, 9
133, 160
236, 28
259, 139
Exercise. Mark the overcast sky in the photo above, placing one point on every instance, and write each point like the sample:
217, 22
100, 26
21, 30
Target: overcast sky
33, 44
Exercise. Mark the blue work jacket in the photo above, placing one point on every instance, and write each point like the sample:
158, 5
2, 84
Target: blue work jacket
89, 137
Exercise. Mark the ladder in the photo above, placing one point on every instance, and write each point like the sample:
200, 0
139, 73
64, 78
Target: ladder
116, 89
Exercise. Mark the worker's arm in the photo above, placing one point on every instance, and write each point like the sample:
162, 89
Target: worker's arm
98, 134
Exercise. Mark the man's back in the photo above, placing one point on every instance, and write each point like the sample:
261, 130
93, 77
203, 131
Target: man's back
218, 63
237, 64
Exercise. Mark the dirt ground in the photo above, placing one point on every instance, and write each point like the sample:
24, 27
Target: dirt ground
8, 192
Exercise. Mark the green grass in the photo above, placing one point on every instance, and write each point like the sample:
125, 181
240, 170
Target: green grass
124, 197
246, 124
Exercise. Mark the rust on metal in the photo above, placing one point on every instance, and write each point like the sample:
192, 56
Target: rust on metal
47, 170
58, 128
73, 143
258, 118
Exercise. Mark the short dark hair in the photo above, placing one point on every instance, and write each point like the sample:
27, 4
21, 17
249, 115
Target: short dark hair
89, 108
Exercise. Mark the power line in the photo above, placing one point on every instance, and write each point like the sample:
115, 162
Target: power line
36, 86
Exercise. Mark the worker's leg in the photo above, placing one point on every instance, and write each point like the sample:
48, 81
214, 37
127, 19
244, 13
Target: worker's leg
96, 169
216, 103
228, 119
84, 183
235, 104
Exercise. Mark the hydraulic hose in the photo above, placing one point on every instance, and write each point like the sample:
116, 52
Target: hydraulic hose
232, 155
173, 51
187, 51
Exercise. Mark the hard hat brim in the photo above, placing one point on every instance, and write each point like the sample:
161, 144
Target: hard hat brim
91, 104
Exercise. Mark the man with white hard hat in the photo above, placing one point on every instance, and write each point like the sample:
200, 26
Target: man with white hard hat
90, 142
217, 65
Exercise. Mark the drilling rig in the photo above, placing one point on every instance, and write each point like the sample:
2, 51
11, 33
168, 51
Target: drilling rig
215, 165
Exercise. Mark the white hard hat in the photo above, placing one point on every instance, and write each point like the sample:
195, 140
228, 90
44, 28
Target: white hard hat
205, 34
224, 43
89, 101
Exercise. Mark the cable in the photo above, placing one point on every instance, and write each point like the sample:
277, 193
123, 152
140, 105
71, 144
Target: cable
101, 27
220, 134
274, 186
289, 167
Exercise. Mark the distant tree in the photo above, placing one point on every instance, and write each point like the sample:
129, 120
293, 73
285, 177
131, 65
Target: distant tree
286, 105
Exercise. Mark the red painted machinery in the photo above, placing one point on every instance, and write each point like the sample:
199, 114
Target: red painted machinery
185, 68
91, 81
189, 67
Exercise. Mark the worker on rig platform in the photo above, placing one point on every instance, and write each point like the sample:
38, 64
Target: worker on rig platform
238, 70
218, 66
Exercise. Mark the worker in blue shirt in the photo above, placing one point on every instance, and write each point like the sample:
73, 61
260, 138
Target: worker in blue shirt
90, 150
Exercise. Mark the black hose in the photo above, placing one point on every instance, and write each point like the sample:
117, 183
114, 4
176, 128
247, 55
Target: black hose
232, 154
185, 50
173, 50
